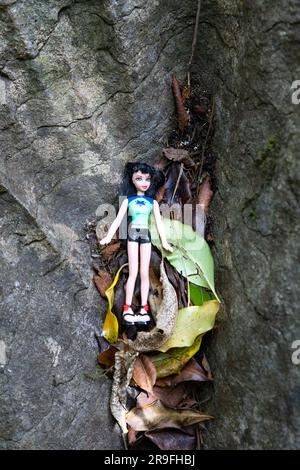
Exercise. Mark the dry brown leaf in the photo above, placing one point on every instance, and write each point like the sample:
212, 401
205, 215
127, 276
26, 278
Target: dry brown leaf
188, 403
109, 250
205, 194
169, 396
132, 436
161, 163
206, 367
178, 155
177, 186
160, 194
172, 439
144, 372
192, 371
183, 117
102, 281
158, 416
106, 359
199, 217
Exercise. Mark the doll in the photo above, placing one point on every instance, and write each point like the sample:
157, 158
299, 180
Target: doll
140, 186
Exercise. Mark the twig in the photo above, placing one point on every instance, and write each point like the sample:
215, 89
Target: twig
125, 442
177, 182
194, 132
206, 137
98, 341
198, 438
194, 42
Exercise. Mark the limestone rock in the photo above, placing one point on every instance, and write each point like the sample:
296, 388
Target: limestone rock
251, 57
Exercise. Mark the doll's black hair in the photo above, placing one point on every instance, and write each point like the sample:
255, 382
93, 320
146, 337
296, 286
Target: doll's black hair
127, 187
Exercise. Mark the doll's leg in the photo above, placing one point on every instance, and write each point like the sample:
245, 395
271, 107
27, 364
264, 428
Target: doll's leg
133, 262
145, 250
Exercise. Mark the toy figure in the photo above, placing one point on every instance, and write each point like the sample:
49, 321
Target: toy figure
140, 184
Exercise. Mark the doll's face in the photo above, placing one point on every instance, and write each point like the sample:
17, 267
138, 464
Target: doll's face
141, 180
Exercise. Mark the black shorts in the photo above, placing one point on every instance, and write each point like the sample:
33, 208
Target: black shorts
140, 235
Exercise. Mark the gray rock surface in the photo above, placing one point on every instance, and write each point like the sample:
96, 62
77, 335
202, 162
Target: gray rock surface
251, 52
52, 395
84, 87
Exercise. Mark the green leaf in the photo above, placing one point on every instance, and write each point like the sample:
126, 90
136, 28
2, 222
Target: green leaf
198, 294
191, 322
174, 360
191, 256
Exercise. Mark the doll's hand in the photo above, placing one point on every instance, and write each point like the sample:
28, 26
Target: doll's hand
105, 240
167, 247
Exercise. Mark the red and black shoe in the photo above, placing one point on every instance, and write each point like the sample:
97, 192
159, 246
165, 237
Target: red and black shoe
128, 315
142, 316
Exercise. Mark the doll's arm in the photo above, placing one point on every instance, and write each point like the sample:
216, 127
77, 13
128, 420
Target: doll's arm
160, 226
116, 223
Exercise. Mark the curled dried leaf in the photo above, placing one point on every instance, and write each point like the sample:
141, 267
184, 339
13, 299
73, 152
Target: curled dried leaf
205, 194
183, 117
158, 416
124, 362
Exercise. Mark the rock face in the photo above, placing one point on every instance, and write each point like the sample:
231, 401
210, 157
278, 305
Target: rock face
251, 54
52, 396
84, 87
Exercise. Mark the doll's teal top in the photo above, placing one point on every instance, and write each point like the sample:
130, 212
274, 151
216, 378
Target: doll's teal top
139, 210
